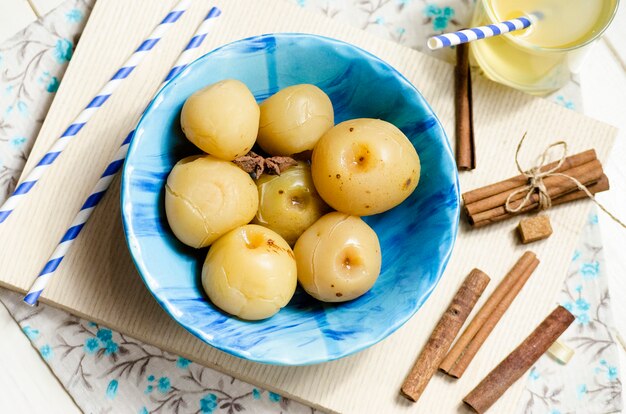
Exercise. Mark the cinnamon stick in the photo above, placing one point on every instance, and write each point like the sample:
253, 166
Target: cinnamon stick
592, 169
482, 316
601, 185
598, 187
519, 361
464, 128
446, 330
521, 180
490, 323
556, 186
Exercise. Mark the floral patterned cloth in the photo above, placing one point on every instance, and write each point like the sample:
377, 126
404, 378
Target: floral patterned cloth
589, 383
107, 372
31, 66
408, 22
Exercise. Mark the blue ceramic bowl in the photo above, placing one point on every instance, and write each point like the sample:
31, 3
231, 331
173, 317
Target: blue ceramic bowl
416, 237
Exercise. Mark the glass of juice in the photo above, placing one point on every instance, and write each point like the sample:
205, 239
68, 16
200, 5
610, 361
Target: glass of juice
539, 59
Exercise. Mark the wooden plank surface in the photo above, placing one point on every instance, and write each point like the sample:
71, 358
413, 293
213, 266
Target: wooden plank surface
98, 281
614, 40
14, 16
26, 382
43, 7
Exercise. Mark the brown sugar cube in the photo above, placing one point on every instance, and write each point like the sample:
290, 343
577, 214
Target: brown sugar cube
534, 228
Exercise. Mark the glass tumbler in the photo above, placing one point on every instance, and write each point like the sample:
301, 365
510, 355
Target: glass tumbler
542, 65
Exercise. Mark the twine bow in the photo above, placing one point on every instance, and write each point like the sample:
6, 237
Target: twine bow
535, 182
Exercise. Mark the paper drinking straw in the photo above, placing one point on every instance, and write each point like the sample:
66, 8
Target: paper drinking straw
482, 32
186, 56
96, 103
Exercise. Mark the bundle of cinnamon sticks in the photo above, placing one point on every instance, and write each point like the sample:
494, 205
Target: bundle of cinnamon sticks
486, 205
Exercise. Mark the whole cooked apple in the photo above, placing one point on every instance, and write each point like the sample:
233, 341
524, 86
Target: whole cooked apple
338, 258
364, 166
205, 197
293, 119
289, 203
222, 119
250, 272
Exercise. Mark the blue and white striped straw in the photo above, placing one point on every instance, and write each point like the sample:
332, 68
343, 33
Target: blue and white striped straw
186, 57
482, 32
96, 103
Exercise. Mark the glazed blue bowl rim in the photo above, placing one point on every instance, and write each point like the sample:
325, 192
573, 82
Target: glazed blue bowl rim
128, 230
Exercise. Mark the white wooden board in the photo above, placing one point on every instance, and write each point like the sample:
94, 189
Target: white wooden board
14, 16
27, 384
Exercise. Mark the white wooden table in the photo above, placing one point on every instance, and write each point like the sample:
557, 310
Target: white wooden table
28, 386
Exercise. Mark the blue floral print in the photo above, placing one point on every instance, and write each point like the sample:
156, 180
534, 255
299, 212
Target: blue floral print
46, 351
112, 389
104, 334
21, 107
91, 345
534, 374
30, 332
182, 362
590, 270
274, 397
582, 304
110, 347
567, 103
164, 385
208, 403
63, 50
18, 142
74, 15
439, 16
53, 85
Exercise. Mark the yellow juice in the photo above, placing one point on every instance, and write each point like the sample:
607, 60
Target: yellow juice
539, 59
